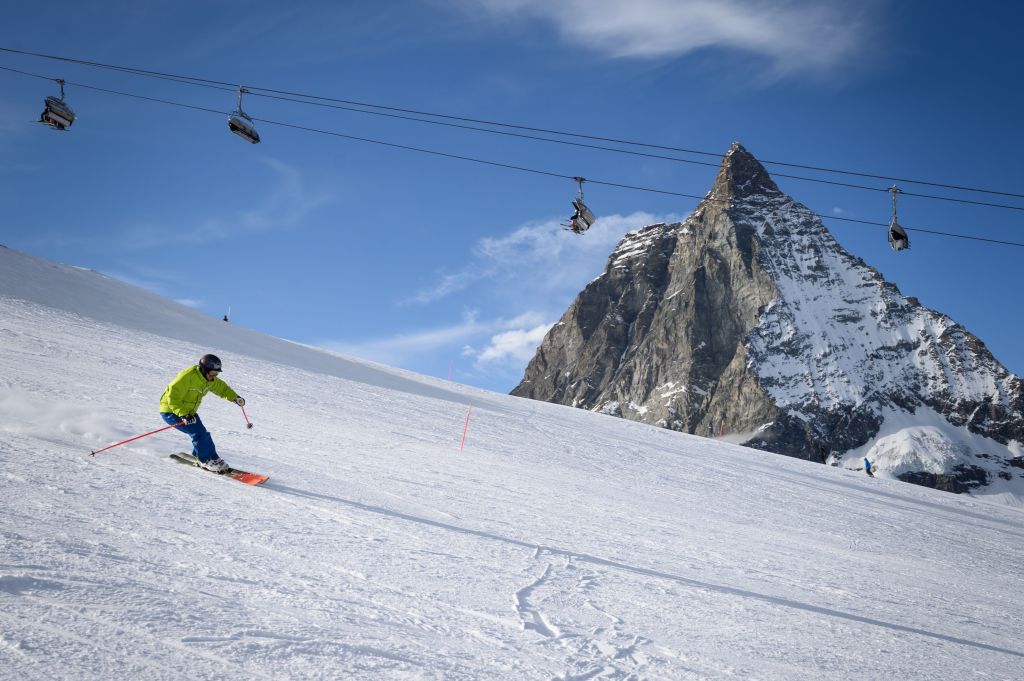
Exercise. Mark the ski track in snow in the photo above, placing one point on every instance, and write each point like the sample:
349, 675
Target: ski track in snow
559, 545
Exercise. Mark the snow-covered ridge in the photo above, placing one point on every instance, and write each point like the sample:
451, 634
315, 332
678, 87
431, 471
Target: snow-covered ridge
637, 243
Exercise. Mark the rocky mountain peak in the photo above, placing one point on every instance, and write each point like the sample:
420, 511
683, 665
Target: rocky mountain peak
748, 321
741, 175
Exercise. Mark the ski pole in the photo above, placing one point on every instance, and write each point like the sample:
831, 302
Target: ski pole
248, 423
137, 437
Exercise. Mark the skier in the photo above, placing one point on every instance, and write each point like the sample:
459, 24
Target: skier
180, 402
868, 467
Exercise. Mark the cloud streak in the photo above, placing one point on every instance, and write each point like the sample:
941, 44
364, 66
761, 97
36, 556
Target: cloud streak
793, 35
539, 260
517, 345
399, 348
286, 205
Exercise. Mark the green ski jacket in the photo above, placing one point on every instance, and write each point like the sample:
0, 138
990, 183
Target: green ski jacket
183, 395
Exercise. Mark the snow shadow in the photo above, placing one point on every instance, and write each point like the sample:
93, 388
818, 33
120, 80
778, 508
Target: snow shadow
638, 570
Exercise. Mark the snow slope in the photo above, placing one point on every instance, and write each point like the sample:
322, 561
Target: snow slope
559, 544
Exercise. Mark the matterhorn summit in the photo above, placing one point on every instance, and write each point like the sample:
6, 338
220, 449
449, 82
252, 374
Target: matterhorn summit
749, 321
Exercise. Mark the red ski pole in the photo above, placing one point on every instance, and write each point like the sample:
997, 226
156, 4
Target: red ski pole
137, 437
248, 423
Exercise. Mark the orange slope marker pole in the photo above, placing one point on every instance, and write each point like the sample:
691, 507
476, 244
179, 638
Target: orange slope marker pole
466, 428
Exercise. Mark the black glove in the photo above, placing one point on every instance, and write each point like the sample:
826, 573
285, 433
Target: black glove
240, 402
189, 419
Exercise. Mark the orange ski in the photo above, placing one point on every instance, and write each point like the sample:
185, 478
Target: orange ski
240, 476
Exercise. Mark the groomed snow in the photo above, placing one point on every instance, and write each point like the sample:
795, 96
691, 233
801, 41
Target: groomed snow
558, 544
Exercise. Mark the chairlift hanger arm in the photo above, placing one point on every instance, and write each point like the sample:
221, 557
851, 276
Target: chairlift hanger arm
580, 180
894, 190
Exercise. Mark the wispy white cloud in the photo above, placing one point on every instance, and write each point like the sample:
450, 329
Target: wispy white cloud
793, 35
518, 345
399, 349
538, 268
448, 284
286, 206
523, 281
539, 259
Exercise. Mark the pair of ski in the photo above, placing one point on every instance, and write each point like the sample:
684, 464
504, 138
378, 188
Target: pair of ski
233, 473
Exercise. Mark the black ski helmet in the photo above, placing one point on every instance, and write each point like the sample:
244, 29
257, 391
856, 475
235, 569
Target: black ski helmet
208, 363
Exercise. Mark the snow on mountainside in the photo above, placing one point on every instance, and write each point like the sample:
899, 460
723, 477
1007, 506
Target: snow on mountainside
559, 544
749, 319
839, 338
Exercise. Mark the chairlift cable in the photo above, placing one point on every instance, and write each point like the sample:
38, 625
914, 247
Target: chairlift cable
147, 98
630, 152
921, 230
125, 69
655, 146
260, 90
292, 98
497, 164
116, 92
26, 73
422, 150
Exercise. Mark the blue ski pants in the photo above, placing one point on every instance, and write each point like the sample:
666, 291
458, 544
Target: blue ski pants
202, 441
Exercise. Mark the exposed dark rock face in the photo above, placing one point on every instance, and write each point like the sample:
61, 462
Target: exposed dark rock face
962, 479
748, 318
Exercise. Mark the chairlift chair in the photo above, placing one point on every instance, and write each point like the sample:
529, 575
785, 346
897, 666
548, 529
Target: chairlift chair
582, 218
898, 238
57, 114
241, 123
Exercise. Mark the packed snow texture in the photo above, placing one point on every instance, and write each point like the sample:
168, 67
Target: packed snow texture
558, 544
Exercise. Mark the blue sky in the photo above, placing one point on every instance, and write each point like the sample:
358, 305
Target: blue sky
448, 267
